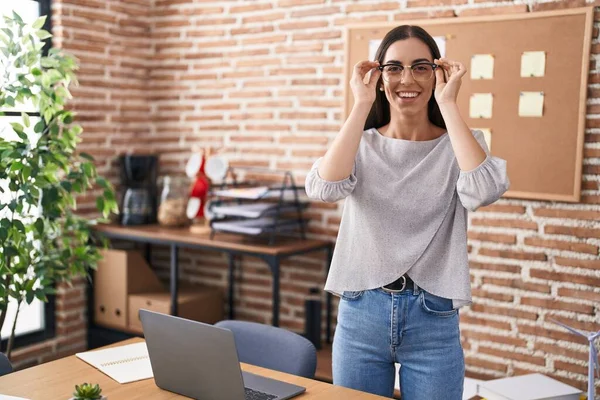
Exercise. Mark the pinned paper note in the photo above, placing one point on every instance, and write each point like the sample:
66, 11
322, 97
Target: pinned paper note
480, 105
531, 104
487, 135
533, 64
482, 66
441, 43
373, 46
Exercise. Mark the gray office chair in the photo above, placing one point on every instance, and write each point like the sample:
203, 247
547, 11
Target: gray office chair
274, 348
5, 365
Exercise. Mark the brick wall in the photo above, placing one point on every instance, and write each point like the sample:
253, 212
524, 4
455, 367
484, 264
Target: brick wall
264, 81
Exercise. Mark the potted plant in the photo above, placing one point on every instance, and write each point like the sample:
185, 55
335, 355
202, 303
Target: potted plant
42, 239
87, 391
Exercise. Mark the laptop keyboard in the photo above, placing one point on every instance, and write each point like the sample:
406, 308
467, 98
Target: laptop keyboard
256, 395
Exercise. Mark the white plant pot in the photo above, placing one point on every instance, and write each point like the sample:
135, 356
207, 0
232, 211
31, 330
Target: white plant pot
101, 398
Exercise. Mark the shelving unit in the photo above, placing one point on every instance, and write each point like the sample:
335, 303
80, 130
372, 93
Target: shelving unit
249, 208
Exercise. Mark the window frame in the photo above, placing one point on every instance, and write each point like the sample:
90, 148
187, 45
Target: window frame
49, 330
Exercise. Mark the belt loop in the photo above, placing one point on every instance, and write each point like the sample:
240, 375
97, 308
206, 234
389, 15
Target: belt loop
416, 288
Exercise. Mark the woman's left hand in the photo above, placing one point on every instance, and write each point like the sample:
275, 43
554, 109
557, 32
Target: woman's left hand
448, 78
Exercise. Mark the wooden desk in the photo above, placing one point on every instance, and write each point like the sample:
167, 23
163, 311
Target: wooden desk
57, 379
232, 245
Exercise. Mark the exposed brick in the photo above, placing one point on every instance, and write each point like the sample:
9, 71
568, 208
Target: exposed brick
573, 231
517, 284
590, 185
408, 15
484, 294
478, 362
527, 358
310, 12
500, 208
504, 311
582, 325
517, 255
561, 245
492, 237
296, 25
564, 277
367, 18
434, 3
571, 367
468, 319
557, 5
591, 169
249, 8
567, 214
293, 3
496, 10
505, 223
537, 331
350, 8
494, 267
557, 305
22, 354
556, 348
264, 17
572, 262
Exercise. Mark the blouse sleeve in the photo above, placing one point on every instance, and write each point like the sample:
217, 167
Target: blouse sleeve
328, 191
484, 184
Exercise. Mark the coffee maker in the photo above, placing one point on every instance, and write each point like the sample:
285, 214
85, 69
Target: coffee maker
139, 192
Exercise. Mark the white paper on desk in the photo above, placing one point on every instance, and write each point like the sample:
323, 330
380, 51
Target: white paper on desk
124, 364
6, 397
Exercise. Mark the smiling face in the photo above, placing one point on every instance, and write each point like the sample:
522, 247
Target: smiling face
408, 96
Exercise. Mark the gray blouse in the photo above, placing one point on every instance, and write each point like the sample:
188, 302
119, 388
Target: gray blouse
406, 212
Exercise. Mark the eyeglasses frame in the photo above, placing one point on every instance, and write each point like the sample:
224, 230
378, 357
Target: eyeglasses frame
433, 66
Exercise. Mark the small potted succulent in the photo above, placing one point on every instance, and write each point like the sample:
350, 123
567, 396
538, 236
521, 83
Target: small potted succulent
87, 391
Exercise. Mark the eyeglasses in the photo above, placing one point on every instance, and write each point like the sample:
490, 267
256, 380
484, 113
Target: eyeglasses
422, 71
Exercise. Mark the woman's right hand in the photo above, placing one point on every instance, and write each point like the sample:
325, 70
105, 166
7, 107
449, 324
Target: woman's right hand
364, 93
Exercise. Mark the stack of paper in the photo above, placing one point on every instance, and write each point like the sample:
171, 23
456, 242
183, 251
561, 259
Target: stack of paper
251, 210
527, 387
255, 226
124, 364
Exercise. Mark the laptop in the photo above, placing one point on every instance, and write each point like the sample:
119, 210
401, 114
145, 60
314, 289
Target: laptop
200, 361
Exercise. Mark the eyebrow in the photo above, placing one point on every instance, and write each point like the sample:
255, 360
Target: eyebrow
418, 60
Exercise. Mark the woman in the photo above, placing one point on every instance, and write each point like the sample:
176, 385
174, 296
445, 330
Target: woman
400, 263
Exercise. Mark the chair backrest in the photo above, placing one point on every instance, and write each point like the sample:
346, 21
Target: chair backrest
5, 365
274, 348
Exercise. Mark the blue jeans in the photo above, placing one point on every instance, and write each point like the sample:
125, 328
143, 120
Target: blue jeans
420, 331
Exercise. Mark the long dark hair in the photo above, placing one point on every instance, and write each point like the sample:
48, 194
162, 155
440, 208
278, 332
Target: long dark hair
380, 111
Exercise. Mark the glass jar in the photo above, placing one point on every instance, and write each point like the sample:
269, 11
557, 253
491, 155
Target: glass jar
173, 200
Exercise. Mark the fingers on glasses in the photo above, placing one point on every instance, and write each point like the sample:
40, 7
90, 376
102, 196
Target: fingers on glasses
362, 67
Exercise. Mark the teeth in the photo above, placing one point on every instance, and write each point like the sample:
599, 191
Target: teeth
408, 94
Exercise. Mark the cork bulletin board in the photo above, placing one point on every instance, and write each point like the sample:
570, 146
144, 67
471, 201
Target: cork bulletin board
536, 121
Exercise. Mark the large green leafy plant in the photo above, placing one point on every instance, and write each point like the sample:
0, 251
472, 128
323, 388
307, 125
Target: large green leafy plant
42, 239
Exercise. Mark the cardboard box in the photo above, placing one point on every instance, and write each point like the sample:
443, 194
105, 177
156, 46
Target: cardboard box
197, 303
119, 274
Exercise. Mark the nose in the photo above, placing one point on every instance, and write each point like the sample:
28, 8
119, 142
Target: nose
406, 76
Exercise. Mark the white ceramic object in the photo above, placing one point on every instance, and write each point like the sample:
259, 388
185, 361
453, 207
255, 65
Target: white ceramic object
193, 207
193, 165
216, 168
